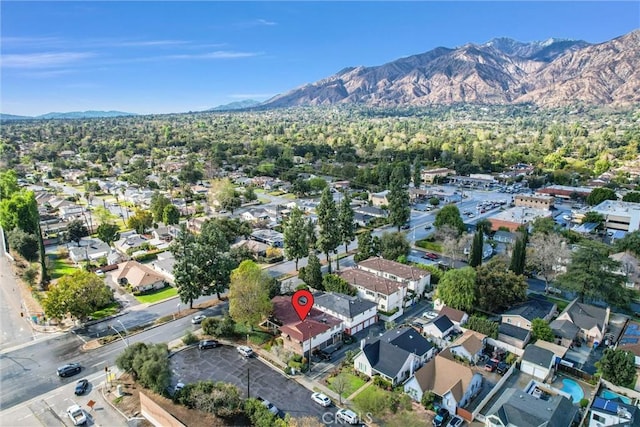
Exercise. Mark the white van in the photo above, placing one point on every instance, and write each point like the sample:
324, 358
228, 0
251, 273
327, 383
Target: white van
347, 416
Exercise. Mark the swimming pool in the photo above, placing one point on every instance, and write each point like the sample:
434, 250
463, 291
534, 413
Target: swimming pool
610, 395
573, 388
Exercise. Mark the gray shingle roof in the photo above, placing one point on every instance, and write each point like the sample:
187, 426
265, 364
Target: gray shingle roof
531, 309
344, 305
513, 331
443, 323
538, 356
387, 353
564, 329
518, 408
586, 316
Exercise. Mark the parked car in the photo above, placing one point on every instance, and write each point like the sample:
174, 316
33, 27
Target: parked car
77, 415
491, 365
441, 417
208, 344
431, 256
245, 351
178, 387
502, 368
456, 421
321, 399
270, 406
428, 227
81, 386
347, 416
197, 319
430, 314
405, 226
69, 369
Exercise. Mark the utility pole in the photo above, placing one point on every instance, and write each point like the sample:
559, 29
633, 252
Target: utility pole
248, 386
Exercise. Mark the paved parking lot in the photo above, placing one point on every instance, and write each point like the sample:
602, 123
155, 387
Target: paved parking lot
226, 364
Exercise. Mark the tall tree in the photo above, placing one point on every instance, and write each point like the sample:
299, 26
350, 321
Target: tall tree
312, 273
186, 270
394, 245
296, 245
365, 246
224, 195
450, 215
632, 196
484, 225
417, 173
310, 231
76, 230
8, 184
345, 222
158, 203
140, 221
171, 215
399, 207
20, 210
475, 257
249, 301
78, 294
599, 195
212, 256
540, 330
108, 233
630, 242
333, 283
457, 288
24, 243
497, 287
548, 254
593, 275
329, 233
519, 254
617, 366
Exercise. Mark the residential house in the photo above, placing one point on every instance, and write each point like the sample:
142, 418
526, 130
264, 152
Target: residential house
565, 332
522, 314
605, 412
255, 215
270, 237
592, 321
165, 233
89, 249
456, 384
416, 279
458, 317
513, 335
630, 340
371, 211
507, 237
316, 332
388, 295
515, 408
440, 328
164, 265
356, 313
538, 362
140, 277
469, 345
379, 199
71, 211
362, 220
258, 249
629, 267
129, 241
394, 356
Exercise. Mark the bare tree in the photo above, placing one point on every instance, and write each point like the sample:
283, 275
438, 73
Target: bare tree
340, 384
548, 254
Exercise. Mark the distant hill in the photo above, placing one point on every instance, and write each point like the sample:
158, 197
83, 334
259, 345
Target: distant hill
238, 105
503, 71
69, 115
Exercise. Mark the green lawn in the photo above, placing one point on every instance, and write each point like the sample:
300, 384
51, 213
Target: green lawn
109, 310
158, 295
432, 246
372, 399
354, 383
562, 304
256, 337
60, 267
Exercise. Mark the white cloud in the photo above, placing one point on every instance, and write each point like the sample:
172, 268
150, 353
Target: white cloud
43, 59
219, 54
265, 22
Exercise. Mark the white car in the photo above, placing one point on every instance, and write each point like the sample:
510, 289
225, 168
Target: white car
321, 399
77, 415
347, 415
197, 319
245, 351
270, 406
430, 315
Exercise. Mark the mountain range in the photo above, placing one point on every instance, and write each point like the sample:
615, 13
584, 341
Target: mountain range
551, 73
69, 115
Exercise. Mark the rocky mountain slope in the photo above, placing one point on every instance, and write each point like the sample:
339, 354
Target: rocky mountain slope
502, 71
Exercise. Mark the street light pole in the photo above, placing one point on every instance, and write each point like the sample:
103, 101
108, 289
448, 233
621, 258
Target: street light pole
125, 330
120, 335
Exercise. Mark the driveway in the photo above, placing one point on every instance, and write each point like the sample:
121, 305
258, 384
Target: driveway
225, 364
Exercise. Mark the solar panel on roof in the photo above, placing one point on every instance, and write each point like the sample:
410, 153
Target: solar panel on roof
604, 404
627, 340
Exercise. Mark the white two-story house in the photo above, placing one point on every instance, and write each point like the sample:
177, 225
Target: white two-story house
356, 313
416, 279
387, 294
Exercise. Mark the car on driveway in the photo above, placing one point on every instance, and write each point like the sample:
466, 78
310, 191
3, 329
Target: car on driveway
208, 344
321, 399
455, 422
81, 386
502, 368
441, 417
430, 315
197, 319
69, 369
245, 351
491, 365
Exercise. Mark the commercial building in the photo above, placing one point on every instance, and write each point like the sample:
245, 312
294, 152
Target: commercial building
536, 201
565, 191
516, 217
623, 216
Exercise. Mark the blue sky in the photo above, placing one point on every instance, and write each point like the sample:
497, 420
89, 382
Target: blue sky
162, 57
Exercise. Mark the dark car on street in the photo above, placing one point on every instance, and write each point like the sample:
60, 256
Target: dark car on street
208, 344
502, 368
81, 386
440, 420
69, 369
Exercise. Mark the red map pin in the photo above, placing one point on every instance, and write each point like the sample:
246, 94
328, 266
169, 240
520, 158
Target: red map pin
302, 302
